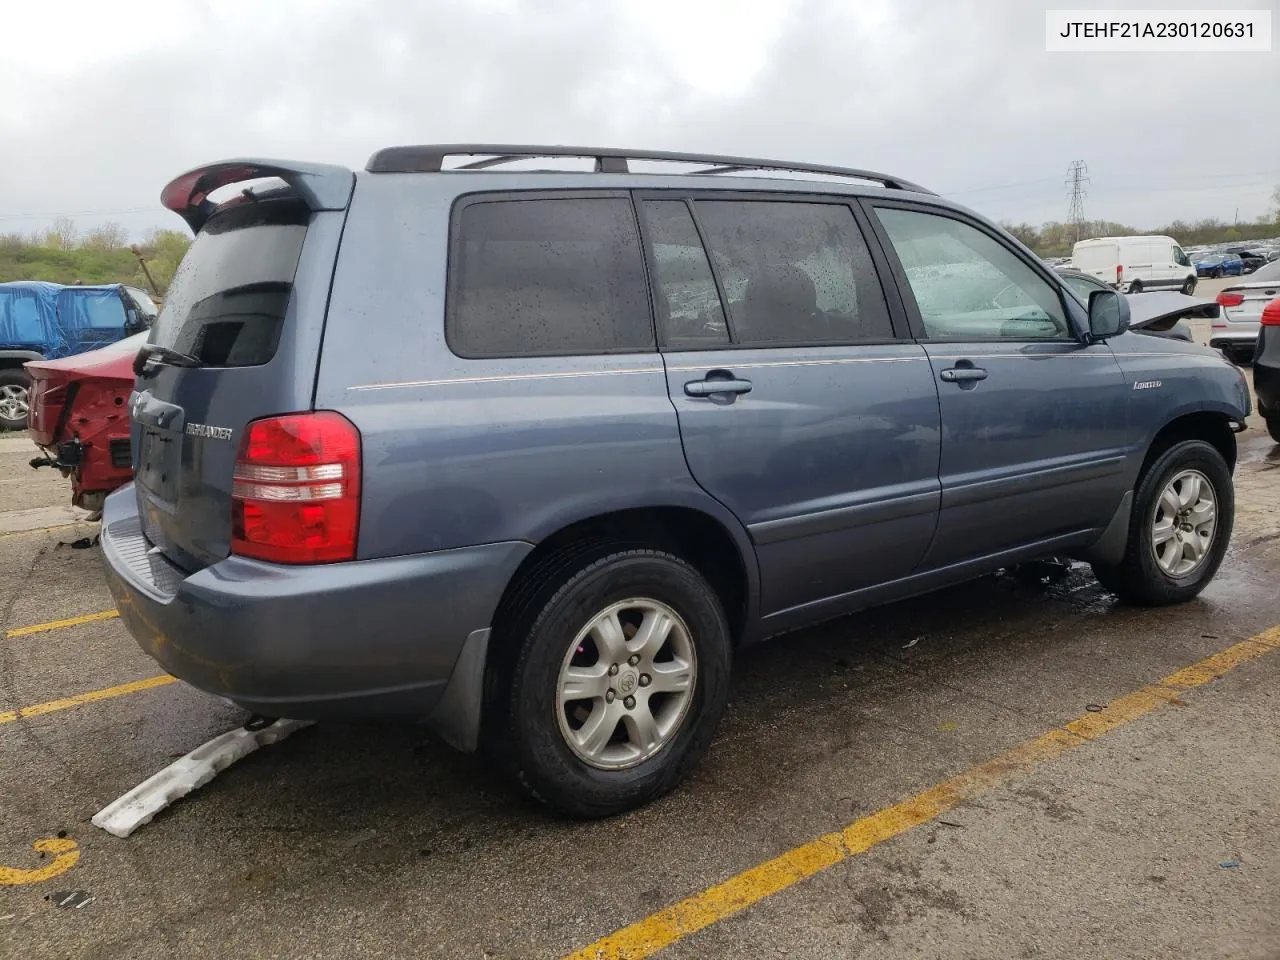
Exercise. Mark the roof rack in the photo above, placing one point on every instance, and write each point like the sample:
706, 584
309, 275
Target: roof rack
429, 158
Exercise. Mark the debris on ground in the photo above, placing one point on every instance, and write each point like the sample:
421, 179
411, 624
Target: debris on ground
71, 899
123, 816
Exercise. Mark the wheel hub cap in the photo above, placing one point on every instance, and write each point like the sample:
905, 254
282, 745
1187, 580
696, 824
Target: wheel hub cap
13, 402
1184, 524
626, 684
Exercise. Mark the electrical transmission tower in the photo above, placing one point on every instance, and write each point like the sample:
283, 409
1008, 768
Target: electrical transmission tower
1077, 177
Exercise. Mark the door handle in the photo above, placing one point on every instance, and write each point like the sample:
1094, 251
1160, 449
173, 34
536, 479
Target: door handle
963, 374
714, 386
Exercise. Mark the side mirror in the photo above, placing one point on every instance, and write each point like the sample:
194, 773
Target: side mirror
1108, 314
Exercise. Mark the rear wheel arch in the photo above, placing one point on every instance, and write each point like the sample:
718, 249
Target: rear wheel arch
692, 535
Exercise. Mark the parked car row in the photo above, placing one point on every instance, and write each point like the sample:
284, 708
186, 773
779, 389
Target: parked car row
1220, 261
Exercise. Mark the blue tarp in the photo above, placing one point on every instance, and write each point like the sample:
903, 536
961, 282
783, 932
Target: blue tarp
58, 321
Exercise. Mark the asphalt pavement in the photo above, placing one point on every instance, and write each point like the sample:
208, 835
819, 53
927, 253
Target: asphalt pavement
999, 770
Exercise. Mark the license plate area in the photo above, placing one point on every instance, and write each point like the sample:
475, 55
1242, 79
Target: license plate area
160, 462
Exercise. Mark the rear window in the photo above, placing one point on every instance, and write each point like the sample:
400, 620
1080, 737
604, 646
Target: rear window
547, 277
227, 301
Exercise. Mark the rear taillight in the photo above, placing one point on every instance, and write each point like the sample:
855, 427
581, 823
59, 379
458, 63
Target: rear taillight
296, 493
1230, 299
1271, 314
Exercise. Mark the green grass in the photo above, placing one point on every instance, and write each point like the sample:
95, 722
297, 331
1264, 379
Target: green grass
92, 262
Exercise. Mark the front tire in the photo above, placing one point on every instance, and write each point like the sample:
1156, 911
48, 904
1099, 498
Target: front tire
1189, 287
1135, 287
618, 685
15, 390
1181, 524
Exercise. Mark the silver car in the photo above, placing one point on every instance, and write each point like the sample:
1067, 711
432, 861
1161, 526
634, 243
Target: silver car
1235, 332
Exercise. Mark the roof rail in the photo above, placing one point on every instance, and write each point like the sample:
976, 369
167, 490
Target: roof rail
429, 158
322, 186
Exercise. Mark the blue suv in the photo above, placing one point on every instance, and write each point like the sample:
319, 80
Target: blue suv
530, 454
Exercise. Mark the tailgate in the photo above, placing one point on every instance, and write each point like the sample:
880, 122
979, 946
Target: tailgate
246, 307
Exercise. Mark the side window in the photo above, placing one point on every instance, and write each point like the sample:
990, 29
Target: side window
794, 273
685, 295
547, 277
967, 284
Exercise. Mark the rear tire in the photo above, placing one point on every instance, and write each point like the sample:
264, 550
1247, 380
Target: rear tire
559, 763
1189, 287
1149, 574
1216, 274
15, 390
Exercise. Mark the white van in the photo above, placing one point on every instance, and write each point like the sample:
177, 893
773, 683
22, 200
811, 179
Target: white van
1134, 264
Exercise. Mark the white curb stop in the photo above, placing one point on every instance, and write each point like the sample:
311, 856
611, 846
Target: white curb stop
123, 816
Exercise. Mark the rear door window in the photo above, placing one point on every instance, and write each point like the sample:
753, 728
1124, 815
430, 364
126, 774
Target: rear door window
685, 296
226, 304
793, 273
547, 277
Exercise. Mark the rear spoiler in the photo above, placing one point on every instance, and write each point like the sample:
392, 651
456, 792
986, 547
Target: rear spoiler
322, 186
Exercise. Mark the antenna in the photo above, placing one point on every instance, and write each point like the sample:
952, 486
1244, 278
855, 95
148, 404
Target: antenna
1077, 177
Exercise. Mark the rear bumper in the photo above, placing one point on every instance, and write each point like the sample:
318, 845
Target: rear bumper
371, 637
1233, 338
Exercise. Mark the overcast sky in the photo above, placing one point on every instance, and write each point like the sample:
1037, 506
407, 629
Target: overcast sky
105, 102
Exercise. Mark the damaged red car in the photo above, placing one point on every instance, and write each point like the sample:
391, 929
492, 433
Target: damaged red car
78, 415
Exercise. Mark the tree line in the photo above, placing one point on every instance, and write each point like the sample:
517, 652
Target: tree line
1056, 239
62, 254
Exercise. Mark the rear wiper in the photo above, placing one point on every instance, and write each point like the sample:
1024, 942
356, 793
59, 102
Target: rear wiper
152, 351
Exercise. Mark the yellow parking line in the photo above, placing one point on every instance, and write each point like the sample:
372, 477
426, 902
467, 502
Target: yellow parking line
80, 699
646, 937
59, 624
66, 854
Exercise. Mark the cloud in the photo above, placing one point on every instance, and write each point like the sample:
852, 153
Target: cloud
957, 95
